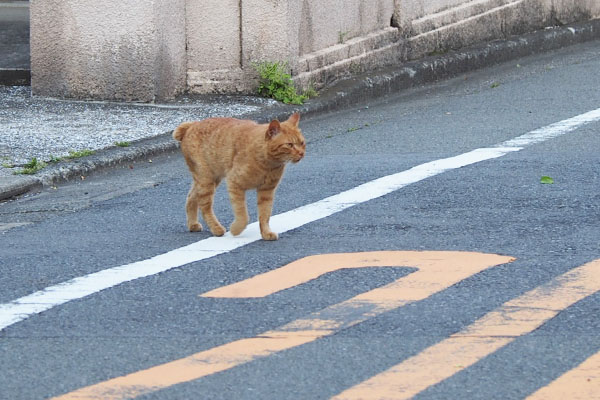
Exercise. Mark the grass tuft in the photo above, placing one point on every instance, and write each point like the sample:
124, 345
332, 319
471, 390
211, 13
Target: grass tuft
31, 167
275, 82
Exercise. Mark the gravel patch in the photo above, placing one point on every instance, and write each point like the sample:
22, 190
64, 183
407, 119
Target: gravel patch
41, 128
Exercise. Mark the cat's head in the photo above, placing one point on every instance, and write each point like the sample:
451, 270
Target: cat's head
285, 141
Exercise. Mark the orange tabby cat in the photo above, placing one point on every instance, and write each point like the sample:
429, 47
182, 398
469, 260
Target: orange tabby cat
248, 156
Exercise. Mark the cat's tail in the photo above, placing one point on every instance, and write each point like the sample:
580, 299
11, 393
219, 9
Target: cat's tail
179, 132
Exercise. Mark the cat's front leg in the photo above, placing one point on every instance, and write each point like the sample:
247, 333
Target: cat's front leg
264, 198
237, 196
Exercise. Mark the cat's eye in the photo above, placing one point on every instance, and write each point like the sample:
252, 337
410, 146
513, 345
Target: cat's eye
290, 145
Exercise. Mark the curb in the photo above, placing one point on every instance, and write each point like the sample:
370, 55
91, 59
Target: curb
17, 186
345, 93
106, 158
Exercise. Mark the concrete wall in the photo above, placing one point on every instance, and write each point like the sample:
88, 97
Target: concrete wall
225, 39
307, 34
153, 49
337, 36
213, 45
108, 49
323, 40
330, 22
424, 27
440, 25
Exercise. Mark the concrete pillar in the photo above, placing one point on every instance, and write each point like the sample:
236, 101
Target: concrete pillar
214, 46
270, 30
226, 37
109, 50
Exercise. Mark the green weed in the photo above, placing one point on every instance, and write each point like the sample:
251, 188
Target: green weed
310, 92
342, 36
437, 52
78, 154
275, 82
31, 167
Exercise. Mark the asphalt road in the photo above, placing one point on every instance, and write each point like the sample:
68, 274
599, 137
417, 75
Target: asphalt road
547, 309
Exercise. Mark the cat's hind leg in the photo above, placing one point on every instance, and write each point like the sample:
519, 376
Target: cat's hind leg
205, 194
191, 209
201, 197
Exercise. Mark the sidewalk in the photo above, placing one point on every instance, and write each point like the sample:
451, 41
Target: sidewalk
50, 129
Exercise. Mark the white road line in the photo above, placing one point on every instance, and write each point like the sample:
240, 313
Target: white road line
77, 288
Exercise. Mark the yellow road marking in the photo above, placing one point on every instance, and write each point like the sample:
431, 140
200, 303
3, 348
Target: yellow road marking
494, 330
193, 367
580, 383
436, 271
435, 268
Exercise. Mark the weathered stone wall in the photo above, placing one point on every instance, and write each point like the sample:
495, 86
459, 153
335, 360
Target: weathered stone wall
214, 48
306, 34
338, 36
327, 23
132, 51
322, 40
143, 50
424, 27
436, 26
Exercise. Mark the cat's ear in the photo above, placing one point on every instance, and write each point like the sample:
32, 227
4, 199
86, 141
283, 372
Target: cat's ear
294, 119
273, 129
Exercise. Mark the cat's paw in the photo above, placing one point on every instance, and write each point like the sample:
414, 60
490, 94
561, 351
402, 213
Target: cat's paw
195, 227
218, 230
269, 235
237, 228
